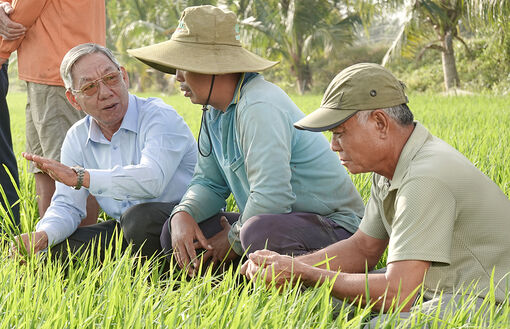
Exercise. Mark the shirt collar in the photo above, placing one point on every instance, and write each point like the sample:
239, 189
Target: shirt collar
415, 142
130, 122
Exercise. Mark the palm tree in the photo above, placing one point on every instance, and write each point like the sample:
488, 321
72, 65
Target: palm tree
434, 25
298, 32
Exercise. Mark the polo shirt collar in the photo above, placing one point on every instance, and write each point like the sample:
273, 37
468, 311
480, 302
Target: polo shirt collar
415, 142
130, 122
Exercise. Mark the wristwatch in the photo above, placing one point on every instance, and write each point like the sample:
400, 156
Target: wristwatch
80, 172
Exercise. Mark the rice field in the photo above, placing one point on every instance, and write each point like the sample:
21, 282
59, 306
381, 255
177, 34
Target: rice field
125, 292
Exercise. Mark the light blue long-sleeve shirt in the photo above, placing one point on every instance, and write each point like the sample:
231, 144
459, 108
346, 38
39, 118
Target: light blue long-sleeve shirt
267, 164
151, 158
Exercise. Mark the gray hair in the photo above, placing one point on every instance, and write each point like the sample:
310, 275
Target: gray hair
78, 52
400, 113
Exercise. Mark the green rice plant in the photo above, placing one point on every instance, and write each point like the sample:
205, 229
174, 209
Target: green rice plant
123, 290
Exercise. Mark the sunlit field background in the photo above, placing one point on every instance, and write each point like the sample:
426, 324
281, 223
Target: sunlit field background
124, 292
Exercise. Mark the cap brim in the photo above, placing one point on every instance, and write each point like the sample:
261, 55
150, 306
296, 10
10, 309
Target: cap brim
200, 58
324, 119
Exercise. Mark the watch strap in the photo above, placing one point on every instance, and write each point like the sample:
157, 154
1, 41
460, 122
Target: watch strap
80, 172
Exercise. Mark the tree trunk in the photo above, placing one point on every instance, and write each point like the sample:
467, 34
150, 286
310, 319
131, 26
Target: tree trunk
451, 77
304, 78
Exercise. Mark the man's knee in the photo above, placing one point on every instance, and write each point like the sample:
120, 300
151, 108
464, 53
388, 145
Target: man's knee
261, 232
144, 218
132, 221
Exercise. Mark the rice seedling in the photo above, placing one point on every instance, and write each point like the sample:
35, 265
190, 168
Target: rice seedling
125, 291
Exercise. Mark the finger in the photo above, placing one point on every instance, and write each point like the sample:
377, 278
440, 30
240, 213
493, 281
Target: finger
6, 7
202, 240
13, 251
224, 223
244, 267
40, 159
178, 251
206, 256
175, 254
217, 256
260, 259
27, 156
189, 255
15, 27
12, 36
198, 245
265, 252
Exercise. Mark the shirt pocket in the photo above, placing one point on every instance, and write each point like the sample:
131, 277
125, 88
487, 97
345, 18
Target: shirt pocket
236, 164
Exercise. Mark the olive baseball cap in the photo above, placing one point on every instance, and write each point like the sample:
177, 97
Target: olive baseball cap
207, 41
360, 87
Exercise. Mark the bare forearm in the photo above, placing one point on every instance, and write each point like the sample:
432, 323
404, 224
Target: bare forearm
353, 255
343, 255
353, 287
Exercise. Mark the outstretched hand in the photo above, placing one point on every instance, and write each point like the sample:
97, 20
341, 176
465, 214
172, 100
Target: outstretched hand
56, 170
271, 267
9, 30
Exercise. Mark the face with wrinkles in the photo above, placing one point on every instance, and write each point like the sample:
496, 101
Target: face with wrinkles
357, 144
109, 103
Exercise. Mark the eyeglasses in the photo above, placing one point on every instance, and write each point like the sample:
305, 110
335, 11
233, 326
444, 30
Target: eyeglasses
91, 88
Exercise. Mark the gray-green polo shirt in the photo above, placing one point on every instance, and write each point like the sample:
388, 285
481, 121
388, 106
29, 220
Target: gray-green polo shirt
440, 208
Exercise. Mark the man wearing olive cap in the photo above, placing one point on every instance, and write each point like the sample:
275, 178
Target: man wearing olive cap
292, 193
445, 224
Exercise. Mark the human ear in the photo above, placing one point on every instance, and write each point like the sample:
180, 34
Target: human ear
382, 122
125, 76
72, 100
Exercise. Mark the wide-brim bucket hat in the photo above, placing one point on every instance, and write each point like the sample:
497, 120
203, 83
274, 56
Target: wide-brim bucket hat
207, 41
360, 87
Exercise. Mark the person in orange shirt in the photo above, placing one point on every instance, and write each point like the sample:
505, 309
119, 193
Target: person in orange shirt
52, 28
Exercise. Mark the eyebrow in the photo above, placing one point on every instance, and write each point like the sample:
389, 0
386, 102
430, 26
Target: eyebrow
105, 71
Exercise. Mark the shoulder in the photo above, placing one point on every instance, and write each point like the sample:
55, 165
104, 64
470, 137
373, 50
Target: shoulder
437, 159
262, 98
154, 109
79, 130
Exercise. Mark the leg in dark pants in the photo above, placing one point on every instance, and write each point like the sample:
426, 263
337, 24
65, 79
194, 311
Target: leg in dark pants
210, 227
290, 234
7, 157
91, 237
142, 224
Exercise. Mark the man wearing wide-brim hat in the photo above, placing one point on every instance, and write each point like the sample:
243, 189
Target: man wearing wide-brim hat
292, 193
445, 224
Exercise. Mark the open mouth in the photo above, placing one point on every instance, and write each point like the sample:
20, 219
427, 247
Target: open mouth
110, 107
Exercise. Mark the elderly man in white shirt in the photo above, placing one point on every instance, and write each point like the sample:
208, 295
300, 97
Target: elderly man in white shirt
126, 151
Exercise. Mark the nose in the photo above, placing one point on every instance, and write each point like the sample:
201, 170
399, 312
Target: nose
335, 145
179, 76
103, 90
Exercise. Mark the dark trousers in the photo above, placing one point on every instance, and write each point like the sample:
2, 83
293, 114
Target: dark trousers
292, 234
289, 234
7, 157
140, 228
